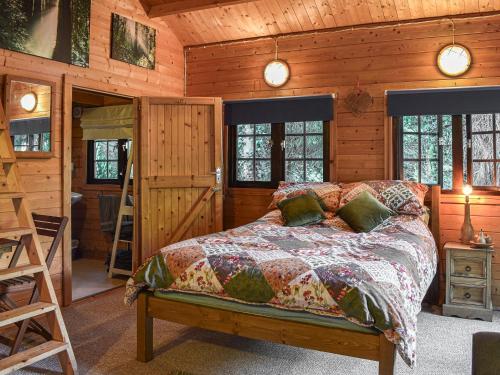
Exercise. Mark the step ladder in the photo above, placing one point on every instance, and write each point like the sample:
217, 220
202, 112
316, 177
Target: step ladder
47, 306
124, 210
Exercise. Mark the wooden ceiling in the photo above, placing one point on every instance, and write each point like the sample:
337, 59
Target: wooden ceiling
197, 22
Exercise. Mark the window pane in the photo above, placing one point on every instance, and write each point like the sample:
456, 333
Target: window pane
263, 129
46, 142
244, 147
464, 148
429, 124
429, 146
410, 171
410, 124
100, 150
314, 126
482, 146
498, 145
481, 123
294, 148
482, 173
113, 170
294, 127
244, 170
263, 170
314, 170
245, 129
447, 167
430, 172
113, 150
294, 171
410, 146
446, 120
263, 147
101, 170
497, 121
314, 146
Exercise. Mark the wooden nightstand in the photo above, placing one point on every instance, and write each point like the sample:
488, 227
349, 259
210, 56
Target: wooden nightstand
468, 282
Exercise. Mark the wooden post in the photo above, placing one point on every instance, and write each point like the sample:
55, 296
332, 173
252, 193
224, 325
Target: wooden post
144, 329
387, 357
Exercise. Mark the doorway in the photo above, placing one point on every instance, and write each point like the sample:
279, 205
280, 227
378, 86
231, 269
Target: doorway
101, 135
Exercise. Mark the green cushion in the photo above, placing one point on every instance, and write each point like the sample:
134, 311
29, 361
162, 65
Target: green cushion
364, 212
301, 210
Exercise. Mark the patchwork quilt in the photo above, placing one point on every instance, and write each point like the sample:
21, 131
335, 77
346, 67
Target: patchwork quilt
375, 279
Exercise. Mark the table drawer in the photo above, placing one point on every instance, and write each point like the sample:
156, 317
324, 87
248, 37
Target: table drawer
468, 295
468, 266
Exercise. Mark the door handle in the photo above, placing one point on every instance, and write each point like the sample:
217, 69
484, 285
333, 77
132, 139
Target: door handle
218, 175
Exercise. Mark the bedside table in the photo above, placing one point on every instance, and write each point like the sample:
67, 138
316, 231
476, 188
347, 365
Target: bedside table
468, 282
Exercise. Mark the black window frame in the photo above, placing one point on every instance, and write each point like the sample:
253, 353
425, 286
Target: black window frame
461, 173
277, 156
122, 163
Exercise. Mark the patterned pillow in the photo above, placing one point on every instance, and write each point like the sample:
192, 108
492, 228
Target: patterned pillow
403, 197
327, 192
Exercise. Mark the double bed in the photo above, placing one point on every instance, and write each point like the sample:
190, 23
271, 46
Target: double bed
320, 286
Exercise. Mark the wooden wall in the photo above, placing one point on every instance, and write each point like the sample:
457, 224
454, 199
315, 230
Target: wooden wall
383, 58
42, 178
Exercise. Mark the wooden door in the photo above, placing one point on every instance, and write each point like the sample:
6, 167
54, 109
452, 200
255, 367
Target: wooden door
180, 171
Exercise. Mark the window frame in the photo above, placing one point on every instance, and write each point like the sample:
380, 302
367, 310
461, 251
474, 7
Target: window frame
277, 156
122, 163
457, 150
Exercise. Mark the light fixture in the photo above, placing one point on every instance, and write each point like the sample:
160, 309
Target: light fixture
454, 59
29, 101
467, 231
276, 72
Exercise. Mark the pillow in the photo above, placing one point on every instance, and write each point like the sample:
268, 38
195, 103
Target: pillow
327, 192
301, 210
403, 197
364, 212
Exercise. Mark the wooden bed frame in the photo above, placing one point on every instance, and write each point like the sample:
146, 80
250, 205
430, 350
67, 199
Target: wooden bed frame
374, 346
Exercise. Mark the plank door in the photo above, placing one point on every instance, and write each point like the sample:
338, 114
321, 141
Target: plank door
180, 171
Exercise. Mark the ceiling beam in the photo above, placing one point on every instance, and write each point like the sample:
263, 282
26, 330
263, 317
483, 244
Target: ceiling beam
170, 7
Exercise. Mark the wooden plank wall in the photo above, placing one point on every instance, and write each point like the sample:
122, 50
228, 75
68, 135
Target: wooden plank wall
383, 58
42, 178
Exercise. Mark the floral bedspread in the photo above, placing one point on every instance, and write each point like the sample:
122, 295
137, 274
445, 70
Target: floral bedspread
375, 279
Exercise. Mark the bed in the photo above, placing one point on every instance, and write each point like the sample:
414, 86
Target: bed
321, 286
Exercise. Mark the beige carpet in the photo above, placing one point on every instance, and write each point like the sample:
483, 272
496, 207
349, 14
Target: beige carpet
103, 335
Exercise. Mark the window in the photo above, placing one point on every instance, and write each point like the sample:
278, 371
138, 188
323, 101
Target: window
264, 154
483, 160
31, 142
107, 161
447, 150
426, 149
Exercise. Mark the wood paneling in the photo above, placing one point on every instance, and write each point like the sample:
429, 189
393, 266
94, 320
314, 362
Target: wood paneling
43, 178
386, 58
274, 17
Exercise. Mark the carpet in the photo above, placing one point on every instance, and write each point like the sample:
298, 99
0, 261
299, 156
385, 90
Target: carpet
102, 331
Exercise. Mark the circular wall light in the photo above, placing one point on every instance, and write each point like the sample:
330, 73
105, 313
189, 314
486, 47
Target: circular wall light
29, 101
276, 73
454, 60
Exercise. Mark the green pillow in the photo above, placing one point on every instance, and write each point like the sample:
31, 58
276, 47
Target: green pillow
301, 210
364, 212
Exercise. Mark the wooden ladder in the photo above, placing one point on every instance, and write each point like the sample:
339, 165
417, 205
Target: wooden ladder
11, 189
125, 210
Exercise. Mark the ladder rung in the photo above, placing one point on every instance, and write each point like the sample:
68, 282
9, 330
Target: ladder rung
30, 356
10, 273
127, 210
13, 232
25, 312
8, 160
12, 195
120, 271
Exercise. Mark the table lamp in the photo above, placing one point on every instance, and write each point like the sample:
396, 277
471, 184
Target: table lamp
467, 232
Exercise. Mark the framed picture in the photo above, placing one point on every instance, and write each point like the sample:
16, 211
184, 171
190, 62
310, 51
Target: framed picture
132, 42
55, 29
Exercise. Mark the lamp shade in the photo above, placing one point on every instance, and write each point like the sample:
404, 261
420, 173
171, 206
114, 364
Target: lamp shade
276, 73
454, 60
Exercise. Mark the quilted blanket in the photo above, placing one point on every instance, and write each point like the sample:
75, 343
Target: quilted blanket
375, 279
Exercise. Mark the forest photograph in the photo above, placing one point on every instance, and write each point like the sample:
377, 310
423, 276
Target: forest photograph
133, 42
54, 29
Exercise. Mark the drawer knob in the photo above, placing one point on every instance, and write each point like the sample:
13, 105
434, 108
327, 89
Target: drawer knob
468, 268
467, 295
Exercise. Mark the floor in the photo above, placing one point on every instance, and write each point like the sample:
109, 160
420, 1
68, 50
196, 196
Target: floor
89, 277
103, 334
